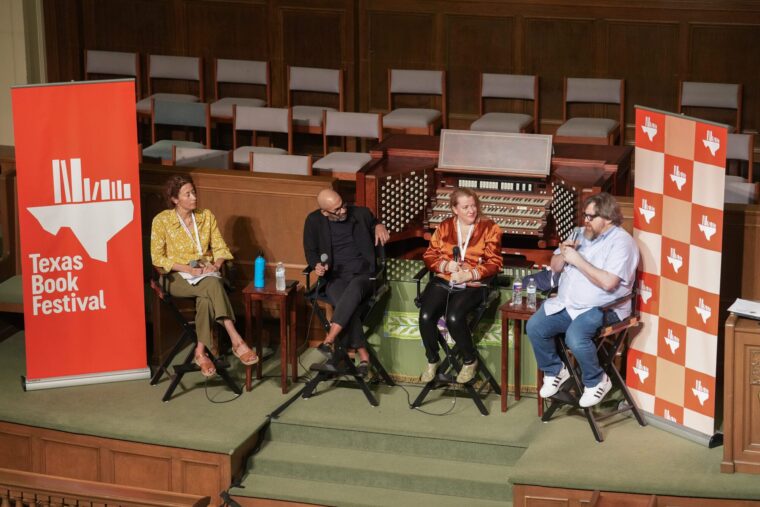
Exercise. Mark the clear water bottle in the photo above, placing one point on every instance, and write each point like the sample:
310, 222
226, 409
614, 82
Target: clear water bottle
279, 276
517, 292
531, 293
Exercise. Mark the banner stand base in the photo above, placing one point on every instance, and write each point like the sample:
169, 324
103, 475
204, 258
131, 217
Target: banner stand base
80, 380
709, 441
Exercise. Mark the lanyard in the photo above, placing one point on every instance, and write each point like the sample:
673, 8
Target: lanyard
463, 246
197, 238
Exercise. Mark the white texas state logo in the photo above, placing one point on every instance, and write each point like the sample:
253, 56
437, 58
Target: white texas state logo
672, 341
641, 371
707, 227
649, 128
645, 292
675, 260
711, 142
703, 310
647, 211
701, 392
678, 177
669, 417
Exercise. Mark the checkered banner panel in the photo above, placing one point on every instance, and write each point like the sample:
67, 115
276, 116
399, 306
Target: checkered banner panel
678, 224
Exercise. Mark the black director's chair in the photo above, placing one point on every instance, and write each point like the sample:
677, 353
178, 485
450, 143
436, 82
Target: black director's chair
610, 340
447, 371
341, 364
160, 286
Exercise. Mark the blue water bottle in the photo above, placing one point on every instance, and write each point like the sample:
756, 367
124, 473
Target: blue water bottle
258, 271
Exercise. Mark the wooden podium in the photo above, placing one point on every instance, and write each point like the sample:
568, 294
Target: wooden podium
741, 410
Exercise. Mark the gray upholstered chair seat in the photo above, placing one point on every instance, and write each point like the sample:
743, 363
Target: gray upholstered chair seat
587, 127
502, 122
242, 154
410, 117
309, 116
143, 106
222, 108
343, 162
163, 149
739, 191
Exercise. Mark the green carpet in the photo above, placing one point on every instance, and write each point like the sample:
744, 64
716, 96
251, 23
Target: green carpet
134, 411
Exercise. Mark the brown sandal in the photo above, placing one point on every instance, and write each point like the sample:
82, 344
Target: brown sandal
248, 357
206, 365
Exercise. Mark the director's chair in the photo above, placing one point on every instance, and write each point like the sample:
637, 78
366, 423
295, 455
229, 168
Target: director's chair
160, 286
341, 364
610, 341
447, 371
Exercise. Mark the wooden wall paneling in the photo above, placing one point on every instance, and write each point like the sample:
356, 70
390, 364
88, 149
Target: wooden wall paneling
118, 461
643, 53
234, 29
728, 53
475, 44
556, 48
63, 39
402, 40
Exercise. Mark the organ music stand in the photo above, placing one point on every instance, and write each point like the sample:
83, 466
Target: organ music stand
449, 367
159, 285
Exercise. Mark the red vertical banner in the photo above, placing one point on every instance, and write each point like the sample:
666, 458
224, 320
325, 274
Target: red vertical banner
81, 246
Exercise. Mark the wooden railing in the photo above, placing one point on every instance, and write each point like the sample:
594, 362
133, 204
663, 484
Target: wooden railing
21, 489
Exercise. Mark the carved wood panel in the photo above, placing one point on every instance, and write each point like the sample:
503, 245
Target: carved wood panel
154, 472
67, 459
15, 451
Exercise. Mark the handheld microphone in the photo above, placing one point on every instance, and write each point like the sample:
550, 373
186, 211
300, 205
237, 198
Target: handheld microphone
576, 235
322, 260
457, 254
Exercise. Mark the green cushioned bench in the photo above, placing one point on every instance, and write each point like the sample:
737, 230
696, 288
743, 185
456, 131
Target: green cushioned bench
11, 298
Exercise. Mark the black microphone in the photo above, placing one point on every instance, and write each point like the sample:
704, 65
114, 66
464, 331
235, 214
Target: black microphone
457, 254
323, 258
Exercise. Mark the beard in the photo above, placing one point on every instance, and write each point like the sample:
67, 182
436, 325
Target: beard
342, 218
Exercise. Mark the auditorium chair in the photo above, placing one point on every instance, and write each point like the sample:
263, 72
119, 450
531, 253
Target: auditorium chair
112, 64
408, 120
201, 157
449, 368
611, 341
178, 69
260, 119
280, 164
342, 164
188, 115
187, 340
250, 73
583, 130
511, 87
740, 151
342, 365
308, 118
712, 96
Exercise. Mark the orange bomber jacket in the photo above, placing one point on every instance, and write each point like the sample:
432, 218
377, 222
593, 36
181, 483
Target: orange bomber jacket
483, 255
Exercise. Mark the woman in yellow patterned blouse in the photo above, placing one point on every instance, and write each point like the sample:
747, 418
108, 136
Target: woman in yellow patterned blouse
186, 243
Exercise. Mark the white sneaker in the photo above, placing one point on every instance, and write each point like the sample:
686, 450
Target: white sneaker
552, 384
593, 395
467, 372
429, 373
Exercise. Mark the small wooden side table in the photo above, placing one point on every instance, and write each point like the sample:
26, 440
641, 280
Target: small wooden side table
518, 314
286, 301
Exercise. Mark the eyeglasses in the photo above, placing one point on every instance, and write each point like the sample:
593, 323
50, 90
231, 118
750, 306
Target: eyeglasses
588, 217
336, 211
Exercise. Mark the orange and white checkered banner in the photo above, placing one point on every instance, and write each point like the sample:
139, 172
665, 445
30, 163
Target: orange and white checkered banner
678, 224
79, 220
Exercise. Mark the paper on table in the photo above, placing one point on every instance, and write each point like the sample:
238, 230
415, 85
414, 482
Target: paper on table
746, 308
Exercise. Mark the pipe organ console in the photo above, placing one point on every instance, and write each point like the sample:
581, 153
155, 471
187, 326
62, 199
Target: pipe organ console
535, 199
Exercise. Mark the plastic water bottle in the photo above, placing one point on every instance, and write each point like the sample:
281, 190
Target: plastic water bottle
258, 271
517, 292
531, 292
279, 276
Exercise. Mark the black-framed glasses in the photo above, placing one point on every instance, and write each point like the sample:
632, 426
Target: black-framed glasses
588, 217
336, 211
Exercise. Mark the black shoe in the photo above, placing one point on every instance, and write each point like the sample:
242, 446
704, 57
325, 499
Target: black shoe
326, 350
363, 369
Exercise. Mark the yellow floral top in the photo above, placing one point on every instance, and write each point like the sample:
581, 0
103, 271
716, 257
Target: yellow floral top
170, 243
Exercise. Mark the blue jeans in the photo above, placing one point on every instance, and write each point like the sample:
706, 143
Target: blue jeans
579, 337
